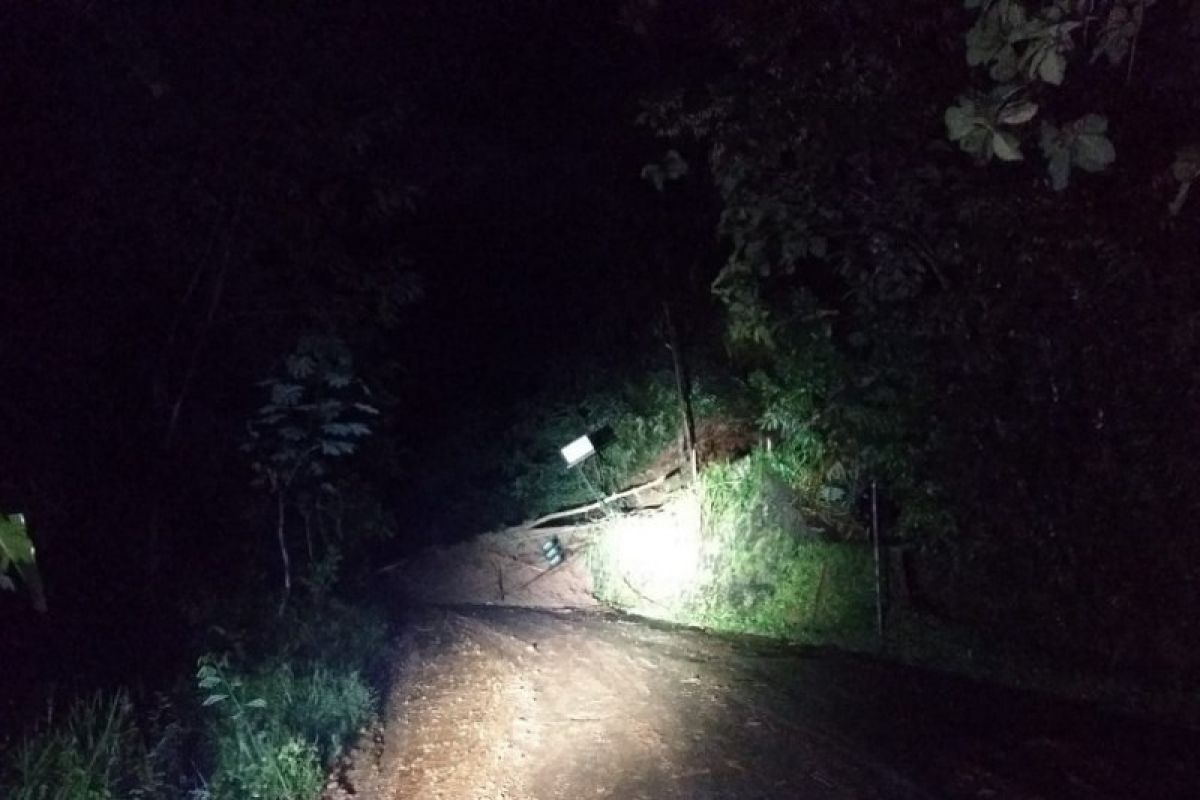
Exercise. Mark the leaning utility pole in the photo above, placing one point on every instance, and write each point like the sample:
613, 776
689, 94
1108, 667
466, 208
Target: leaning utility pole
682, 384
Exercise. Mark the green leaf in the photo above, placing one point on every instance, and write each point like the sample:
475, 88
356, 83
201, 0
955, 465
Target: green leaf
672, 168
1091, 149
1006, 147
1014, 14
1093, 152
976, 142
1117, 35
1004, 65
1052, 67
291, 434
332, 447
674, 165
1187, 164
300, 366
286, 394
16, 548
1060, 170
257, 703
960, 119
345, 429
1090, 123
1018, 113
213, 699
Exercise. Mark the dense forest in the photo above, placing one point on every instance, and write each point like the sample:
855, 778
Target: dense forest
292, 290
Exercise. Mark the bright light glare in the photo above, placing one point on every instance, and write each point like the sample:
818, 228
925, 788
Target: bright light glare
660, 555
578, 450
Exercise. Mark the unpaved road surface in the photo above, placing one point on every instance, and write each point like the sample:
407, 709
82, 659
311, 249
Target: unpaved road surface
496, 702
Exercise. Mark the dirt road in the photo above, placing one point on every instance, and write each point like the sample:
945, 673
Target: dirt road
494, 702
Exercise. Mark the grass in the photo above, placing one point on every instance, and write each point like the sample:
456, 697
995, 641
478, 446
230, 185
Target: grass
263, 721
96, 751
734, 563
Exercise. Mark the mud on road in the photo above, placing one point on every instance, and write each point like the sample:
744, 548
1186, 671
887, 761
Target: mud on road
501, 702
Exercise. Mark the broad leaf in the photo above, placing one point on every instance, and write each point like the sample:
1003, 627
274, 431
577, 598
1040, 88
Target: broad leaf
1187, 164
286, 394
1091, 149
1018, 113
960, 119
16, 548
1060, 170
300, 366
1093, 152
1090, 123
1004, 64
1006, 147
1052, 66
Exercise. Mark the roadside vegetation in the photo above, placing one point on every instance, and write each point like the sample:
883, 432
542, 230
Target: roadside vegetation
284, 678
264, 715
943, 250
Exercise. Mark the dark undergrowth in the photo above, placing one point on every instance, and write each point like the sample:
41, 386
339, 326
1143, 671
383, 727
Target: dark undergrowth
272, 702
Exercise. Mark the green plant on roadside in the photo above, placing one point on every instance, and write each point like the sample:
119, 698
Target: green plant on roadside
757, 563
333, 633
275, 730
323, 706
770, 567
255, 756
16, 550
97, 752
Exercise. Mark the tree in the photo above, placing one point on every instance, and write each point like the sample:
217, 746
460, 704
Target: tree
1025, 49
903, 313
317, 415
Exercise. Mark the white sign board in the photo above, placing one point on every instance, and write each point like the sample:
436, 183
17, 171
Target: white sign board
578, 450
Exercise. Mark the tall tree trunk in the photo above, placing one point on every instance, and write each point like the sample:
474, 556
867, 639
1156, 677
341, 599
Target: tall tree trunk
283, 552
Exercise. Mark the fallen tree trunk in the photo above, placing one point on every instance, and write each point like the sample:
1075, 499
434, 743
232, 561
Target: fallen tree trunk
587, 507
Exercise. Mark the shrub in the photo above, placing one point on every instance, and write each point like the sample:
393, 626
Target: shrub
273, 731
750, 560
97, 752
334, 633
322, 705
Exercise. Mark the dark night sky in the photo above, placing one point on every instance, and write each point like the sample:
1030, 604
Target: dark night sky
133, 132
130, 134
534, 220
531, 224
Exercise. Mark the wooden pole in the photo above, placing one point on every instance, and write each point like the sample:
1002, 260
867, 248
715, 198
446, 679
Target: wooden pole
685, 400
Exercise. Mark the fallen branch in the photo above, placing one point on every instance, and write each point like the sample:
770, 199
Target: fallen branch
583, 509
532, 527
